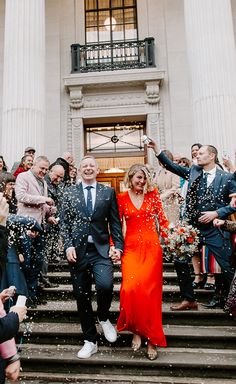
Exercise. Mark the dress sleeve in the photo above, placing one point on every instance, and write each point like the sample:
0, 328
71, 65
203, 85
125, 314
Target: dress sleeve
159, 211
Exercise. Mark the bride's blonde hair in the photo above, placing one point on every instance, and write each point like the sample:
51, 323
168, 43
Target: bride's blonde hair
133, 170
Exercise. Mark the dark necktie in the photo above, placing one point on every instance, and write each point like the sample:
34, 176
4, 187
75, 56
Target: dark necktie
89, 200
205, 174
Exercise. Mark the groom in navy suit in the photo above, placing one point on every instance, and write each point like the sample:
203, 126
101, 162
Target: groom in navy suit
208, 197
89, 217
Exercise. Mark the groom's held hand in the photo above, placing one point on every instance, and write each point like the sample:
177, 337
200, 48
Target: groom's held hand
116, 254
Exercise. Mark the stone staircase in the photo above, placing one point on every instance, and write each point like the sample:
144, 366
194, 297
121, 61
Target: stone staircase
201, 344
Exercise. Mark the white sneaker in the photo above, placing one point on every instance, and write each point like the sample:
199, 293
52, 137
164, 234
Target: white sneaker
109, 331
88, 350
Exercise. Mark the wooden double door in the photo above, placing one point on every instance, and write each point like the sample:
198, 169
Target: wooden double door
115, 180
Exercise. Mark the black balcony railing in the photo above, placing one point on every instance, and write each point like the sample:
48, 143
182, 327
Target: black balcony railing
113, 56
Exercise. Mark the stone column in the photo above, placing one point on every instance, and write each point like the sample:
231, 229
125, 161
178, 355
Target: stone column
212, 67
23, 78
154, 123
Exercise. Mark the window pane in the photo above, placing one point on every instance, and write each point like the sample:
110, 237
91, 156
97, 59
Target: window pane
130, 32
104, 34
118, 33
104, 18
117, 15
103, 4
116, 3
91, 19
130, 15
129, 3
115, 139
91, 4
91, 35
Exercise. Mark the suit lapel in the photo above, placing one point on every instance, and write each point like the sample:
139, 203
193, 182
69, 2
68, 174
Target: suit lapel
98, 196
81, 199
217, 180
194, 177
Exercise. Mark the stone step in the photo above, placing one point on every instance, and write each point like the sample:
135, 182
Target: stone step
174, 362
63, 277
176, 335
133, 378
60, 311
170, 292
63, 266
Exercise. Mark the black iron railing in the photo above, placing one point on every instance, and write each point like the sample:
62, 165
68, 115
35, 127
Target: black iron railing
113, 56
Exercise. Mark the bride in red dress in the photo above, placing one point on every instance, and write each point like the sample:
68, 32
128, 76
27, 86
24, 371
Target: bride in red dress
141, 288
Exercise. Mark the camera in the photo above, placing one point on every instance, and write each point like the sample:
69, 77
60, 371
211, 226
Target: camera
146, 139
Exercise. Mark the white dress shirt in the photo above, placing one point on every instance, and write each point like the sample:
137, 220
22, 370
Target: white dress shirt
210, 176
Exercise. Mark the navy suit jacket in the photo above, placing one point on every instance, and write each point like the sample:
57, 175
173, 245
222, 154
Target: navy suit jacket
76, 224
224, 184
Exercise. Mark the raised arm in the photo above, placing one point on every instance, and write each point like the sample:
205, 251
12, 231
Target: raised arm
167, 163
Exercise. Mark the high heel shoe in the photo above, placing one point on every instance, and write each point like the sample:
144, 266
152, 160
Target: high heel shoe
198, 284
152, 352
210, 286
136, 343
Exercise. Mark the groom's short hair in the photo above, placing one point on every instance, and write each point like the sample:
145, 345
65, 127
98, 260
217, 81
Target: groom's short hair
89, 157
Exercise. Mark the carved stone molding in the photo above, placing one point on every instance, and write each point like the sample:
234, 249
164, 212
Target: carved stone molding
77, 138
153, 92
162, 127
114, 99
76, 98
69, 132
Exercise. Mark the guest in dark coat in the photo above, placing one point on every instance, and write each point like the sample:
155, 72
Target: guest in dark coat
65, 161
208, 197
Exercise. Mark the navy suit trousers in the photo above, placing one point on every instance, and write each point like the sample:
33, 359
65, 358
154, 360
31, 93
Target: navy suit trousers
100, 270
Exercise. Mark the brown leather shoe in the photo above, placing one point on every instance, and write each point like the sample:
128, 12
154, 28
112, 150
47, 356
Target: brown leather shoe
185, 305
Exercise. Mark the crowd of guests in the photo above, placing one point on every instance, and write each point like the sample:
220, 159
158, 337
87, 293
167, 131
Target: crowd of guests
52, 214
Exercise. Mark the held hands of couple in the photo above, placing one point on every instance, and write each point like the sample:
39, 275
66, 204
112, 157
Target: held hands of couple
115, 254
